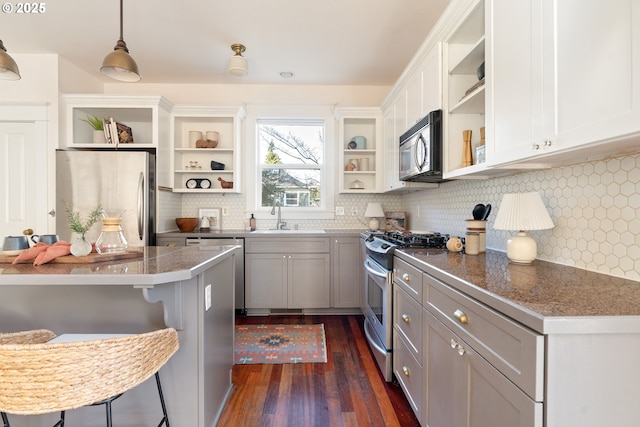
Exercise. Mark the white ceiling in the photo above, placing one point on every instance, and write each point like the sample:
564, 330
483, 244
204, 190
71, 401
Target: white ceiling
329, 42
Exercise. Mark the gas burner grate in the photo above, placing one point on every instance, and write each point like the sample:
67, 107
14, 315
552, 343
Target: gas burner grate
416, 240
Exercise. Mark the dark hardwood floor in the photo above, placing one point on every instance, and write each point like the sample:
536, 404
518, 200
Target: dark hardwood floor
348, 390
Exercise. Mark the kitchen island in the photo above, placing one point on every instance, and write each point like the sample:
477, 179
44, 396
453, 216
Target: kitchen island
533, 345
189, 288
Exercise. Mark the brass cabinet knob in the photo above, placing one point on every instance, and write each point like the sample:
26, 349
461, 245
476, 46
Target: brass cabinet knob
461, 317
406, 318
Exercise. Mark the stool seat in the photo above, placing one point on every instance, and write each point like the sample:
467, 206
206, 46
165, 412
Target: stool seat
42, 373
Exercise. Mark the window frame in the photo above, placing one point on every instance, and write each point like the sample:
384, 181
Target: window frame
284, 113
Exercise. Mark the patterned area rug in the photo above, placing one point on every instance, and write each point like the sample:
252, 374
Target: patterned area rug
256, 344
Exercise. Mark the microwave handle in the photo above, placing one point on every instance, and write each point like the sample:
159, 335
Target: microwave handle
420, 162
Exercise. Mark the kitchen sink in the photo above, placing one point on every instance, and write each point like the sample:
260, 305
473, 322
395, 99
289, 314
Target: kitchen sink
274, 231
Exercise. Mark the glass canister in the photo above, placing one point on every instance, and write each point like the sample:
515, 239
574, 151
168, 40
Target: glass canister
111, 239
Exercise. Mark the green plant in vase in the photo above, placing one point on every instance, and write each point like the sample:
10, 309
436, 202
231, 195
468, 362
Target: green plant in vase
79, 226
98, 128
95, 122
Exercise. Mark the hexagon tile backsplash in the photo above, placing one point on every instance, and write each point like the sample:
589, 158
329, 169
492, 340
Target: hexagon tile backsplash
594, 207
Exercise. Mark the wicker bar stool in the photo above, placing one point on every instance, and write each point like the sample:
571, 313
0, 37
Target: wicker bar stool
37, 377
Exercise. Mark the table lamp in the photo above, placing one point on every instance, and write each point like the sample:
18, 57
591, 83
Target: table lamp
374, 211
522, 212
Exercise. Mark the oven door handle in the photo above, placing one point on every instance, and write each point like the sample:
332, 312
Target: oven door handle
374, 272
372, 341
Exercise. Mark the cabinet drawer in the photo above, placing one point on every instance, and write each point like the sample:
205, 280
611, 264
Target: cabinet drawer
170, 241
287, 245
409, 373
515, 351
409, 277
407, 318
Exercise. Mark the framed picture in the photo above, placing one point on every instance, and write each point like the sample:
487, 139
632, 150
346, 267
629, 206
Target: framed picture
395, 221
214, 215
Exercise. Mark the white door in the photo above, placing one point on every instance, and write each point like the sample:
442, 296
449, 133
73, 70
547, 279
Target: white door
23, 178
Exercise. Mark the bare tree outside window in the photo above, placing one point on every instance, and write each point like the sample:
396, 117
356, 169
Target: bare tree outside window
291, 162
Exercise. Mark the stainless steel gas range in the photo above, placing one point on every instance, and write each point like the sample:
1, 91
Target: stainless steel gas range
378, 268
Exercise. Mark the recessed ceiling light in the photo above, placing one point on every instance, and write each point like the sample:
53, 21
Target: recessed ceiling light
286, 74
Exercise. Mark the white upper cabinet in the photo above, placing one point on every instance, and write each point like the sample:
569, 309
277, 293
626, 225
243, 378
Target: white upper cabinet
197, 168
424, 88
147, 115
563, 79
422, 95
514, 79
464, 91
360, 149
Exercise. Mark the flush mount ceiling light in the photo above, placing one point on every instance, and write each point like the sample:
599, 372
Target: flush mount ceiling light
8, 67
286, 74
119, 65
238, 65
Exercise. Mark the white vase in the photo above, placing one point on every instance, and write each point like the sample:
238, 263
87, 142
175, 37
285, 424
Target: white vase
80, 247
98, 137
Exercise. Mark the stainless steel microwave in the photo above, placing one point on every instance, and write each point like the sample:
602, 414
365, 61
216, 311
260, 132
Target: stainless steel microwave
421, 150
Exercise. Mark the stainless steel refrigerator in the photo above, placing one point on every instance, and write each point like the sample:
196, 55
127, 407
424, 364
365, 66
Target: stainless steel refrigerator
113, 179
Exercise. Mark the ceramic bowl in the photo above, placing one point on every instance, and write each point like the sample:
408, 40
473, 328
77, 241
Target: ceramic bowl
186, 225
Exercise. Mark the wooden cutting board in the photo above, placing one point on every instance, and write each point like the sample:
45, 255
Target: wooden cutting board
70, 259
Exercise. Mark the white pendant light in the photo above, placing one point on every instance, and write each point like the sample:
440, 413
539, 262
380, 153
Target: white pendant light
238, 65
8, 67
119, 65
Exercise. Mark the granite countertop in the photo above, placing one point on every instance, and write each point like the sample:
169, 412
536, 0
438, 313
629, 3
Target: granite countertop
156, 265
222, 234
542, 295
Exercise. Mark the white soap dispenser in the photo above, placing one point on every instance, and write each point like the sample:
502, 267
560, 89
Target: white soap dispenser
204, 223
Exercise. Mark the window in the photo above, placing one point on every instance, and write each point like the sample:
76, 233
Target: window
289, 152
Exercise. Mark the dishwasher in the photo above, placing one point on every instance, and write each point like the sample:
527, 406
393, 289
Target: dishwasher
239, 276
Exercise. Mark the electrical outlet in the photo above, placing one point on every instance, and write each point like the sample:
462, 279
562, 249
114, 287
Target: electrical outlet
339, 210
225, 211
354, 211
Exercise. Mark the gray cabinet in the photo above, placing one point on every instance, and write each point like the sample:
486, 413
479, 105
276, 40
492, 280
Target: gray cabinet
347, 272
463, 389
287, 273
459, 361
408, 334
170, 241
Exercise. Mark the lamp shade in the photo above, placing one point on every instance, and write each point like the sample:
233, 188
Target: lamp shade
238, 64
8, 67
374, 210
522, 211
119, 65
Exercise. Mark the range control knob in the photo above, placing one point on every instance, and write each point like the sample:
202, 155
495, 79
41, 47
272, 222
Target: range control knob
385, 246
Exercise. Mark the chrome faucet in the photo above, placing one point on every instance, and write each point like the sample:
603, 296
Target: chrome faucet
280, 225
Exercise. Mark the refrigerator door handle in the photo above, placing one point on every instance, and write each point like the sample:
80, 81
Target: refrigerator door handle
141, 206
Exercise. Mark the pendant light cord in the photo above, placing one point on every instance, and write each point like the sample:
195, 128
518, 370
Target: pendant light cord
121, 22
